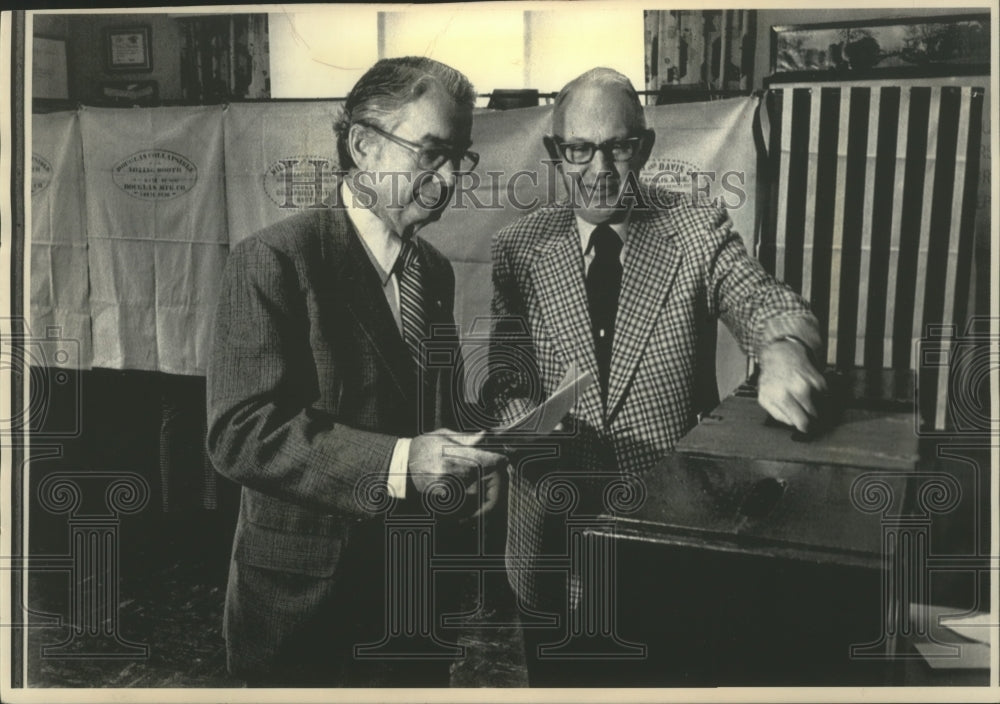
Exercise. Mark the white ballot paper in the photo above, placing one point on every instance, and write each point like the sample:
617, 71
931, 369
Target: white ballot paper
978, 626
957, 641
543, 418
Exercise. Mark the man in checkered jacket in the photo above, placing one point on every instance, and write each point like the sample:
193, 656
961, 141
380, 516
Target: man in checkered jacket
627, 284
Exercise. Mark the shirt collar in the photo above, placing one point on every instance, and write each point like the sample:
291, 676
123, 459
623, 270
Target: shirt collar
380, 243
586, 229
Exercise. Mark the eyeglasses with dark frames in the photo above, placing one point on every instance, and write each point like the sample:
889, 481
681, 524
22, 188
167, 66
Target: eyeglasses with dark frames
431, 157
583, 152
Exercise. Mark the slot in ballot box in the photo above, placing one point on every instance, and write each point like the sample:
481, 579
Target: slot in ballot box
759, 557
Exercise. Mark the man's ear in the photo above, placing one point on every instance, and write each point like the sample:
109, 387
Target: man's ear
648, 140
359, 144
552, 149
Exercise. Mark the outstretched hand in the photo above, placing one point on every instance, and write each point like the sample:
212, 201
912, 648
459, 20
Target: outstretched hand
788, 382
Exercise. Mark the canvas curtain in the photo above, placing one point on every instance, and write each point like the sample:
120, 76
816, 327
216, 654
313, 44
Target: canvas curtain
60, 296
280, 158
156, 227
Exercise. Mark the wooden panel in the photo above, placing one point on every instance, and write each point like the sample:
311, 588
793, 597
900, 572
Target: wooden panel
740, 483
860, 438
796, 510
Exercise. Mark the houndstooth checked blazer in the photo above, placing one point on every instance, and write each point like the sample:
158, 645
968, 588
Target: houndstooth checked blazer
684, 268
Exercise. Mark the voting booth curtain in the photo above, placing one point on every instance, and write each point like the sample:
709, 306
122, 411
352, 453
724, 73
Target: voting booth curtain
870, 215
59, 280
280, 158
156, 234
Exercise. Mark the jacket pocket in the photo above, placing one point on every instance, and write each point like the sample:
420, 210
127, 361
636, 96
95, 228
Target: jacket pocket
297, 553
265, 511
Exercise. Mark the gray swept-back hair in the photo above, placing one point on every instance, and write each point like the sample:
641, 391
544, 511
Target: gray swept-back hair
388, 86
600, 77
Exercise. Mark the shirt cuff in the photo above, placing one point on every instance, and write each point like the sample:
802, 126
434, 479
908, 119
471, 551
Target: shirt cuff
397, 469
802, 327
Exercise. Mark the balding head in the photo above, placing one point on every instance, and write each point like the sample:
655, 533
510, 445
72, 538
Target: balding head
597, 86
600, 142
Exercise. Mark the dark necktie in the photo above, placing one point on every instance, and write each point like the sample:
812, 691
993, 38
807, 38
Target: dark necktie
409, 272
604, 281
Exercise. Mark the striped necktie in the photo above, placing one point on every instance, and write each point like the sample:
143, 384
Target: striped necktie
409, 271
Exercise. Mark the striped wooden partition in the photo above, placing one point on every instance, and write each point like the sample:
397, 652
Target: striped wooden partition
870, 215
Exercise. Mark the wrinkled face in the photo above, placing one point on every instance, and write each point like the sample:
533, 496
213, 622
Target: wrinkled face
407, 196
598, 114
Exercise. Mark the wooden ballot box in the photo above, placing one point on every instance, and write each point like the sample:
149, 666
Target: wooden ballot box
760, 557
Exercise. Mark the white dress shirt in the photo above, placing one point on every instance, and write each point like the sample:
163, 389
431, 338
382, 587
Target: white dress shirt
382, 247
586, 229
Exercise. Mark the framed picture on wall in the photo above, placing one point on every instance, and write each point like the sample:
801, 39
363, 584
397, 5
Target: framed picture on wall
948, 45
128, 48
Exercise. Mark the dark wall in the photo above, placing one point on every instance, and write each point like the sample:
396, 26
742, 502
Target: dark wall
52, 26
110, 421
86, 54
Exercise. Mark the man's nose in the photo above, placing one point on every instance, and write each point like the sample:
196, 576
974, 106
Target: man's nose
602, 161
447, 171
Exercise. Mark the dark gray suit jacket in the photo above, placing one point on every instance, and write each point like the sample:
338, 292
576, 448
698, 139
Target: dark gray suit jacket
309, 387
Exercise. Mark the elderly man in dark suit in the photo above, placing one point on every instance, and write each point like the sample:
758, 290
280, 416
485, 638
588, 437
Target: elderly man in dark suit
318, 399
626, 284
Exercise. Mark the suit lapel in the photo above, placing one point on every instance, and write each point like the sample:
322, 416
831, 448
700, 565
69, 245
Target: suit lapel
651, 264
362, 292
563, 300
